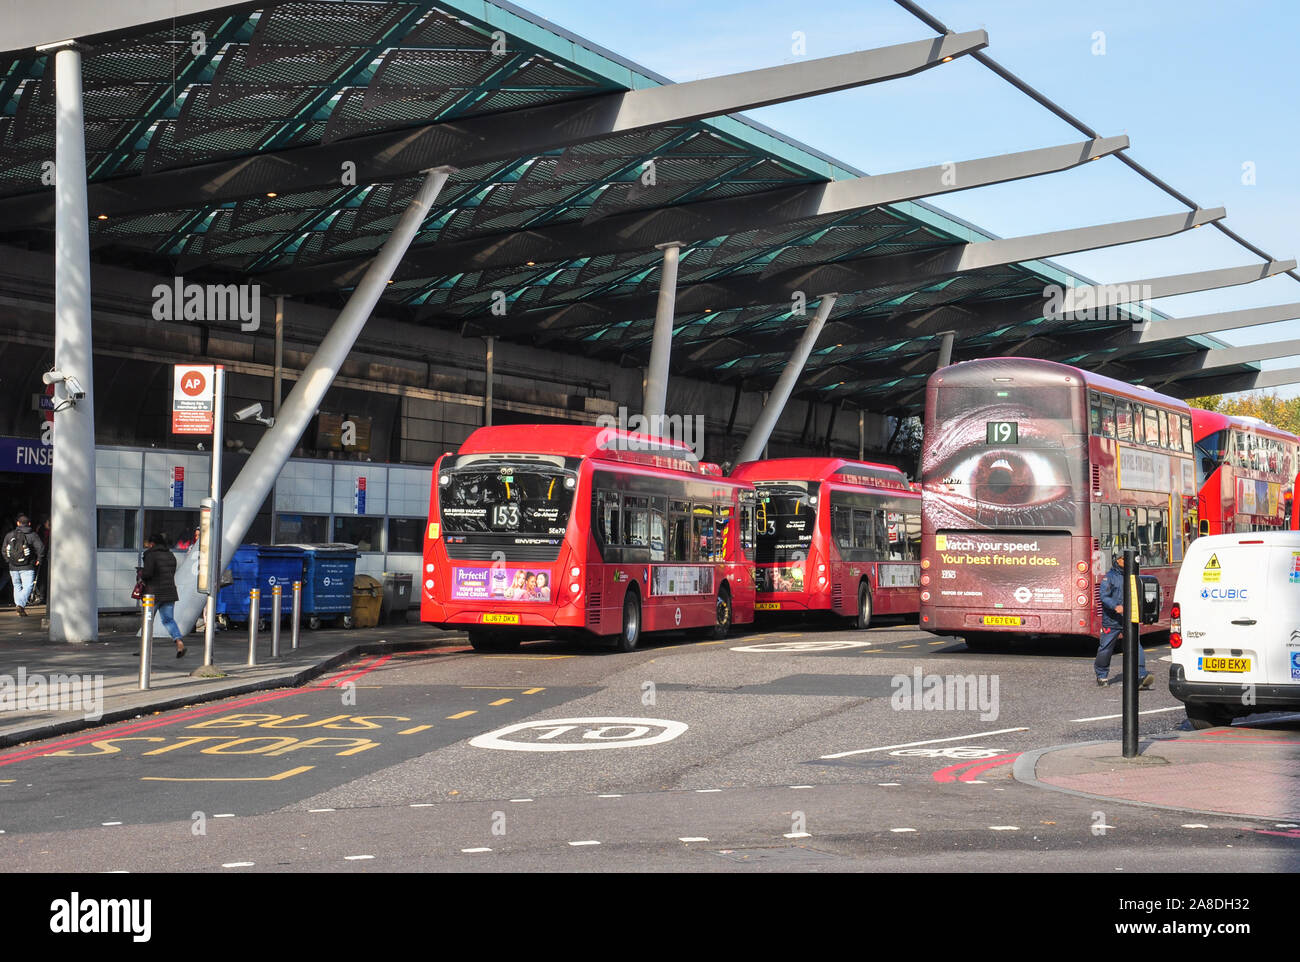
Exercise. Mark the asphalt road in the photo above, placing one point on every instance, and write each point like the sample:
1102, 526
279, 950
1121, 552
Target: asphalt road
787, 748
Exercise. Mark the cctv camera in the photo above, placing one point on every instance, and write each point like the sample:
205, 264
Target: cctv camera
250, 413
74, 388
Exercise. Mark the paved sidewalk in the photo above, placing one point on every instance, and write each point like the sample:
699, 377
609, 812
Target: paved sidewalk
1239, 771
112, 662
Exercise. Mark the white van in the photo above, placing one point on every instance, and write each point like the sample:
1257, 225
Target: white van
1235, 633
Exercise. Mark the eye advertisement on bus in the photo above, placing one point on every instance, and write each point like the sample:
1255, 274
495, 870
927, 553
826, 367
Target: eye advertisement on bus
1004, 461
501, 584
1002, 571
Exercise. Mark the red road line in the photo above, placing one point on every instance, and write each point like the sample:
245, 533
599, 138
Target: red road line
949, 774
146, 725
369, 667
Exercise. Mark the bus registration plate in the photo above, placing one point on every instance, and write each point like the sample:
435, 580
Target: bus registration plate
1225, 664
493, 618
767, 606
1013, 620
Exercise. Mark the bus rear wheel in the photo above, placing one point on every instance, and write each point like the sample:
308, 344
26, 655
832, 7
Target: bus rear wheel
987, 642
722, 625
631, 631
864, 606
481, 640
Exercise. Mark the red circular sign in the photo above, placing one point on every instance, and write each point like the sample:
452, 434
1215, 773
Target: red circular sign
193, 383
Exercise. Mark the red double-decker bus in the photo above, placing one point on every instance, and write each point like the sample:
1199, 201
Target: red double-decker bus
1034, 475
835, 536
590, 530
1246, 472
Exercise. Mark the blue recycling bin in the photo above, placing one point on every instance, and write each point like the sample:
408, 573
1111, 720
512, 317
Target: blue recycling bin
328, 571
263, 567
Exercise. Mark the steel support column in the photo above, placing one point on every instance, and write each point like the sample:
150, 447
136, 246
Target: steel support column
757, 441
654, 402
73, 602
246, 495
945, 349
487, 375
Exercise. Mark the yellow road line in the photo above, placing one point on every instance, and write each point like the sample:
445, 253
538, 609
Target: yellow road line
533, 657
938, 642
269, 778
417, 728
524, 688
713, 642
909, 646
533, 691
501, 701
464, 714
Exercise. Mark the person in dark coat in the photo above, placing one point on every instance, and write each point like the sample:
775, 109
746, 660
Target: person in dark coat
158, 572
1112, 626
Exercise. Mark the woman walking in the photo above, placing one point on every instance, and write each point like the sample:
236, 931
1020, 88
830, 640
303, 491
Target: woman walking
158, 572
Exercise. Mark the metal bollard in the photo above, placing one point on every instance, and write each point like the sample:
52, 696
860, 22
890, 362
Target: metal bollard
276, 594
297, 614
254, 612
146, 641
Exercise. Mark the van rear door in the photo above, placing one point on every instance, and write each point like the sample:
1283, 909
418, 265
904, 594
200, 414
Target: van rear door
1226, 621
1280, 642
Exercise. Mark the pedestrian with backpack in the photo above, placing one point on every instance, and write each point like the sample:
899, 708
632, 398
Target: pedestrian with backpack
158, 572
23, 552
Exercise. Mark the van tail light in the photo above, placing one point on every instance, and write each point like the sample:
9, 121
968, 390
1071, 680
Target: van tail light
1176, 626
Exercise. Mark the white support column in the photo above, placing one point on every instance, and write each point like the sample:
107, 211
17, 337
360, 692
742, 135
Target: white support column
655, 401
487, 371
73, 580
250, 489
945, 348
771, 413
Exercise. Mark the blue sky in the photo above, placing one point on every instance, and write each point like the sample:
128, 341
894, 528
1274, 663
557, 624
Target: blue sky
1200, 88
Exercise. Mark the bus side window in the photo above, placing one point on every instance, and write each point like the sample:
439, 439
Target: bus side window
1187, 435
862, 529
913, 537
1107, 416
608, 517
1094, 413
657, 506
679, 537
882, 535
636, 521
722, 531
747, 529
1125, 415
702, 532
841, 523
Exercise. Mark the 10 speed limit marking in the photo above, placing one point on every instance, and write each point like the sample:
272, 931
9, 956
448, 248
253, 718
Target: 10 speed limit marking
580, 734
796, 647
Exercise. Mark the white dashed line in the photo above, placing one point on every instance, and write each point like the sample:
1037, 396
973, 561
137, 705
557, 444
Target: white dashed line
798, 835
1195, 825
705, 791
110, 823
590, 841
521, 799
422, 804
320, 810
1149, 711
357, 858
1004, 828
1278, 825
471, 851
928, 741
692, 838
609, 796
902, 830
226, 815
975, 781
237, 865
801, 786
888, 784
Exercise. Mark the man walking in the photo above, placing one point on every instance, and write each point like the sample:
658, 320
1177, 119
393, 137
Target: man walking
1112, 625
23, 551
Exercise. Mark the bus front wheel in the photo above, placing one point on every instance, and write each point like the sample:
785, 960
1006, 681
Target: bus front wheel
722, 626
864, 606
631, 632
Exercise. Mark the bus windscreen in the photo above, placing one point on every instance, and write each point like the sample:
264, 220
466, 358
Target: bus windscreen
787, 518
509, 499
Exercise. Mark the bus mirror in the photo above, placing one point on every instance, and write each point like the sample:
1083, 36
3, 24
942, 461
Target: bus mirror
1205, 526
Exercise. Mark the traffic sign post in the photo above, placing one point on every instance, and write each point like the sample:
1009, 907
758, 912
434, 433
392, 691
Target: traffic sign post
187, 382
1132, 608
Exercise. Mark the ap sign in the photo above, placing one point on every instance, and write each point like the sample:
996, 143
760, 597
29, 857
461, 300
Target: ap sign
192, 398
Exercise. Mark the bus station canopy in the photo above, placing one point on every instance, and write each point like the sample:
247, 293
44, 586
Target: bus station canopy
278, 143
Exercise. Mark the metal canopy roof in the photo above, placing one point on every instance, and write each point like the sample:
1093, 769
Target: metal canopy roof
218, 148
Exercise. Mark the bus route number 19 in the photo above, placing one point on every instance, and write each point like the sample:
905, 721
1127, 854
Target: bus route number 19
1002, 432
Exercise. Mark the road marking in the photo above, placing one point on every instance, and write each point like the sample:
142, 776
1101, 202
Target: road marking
902, 830
702, 643
889, 784
422, 805
521, 799
975, 781
417, 728
692, 838
110, 823
357, 858
704, 791
519, 688
973, 768
1004, 828
909, 646
798, 835
1286, 825
228, 815
1149, 711
269, 778
801, 786
471, 851
464, 714
501, 701
590, 841
938, 643
1195, 825
236, 864
579, 734
609, 796
320, 810
533, 657
7, 781
798, 647
930, 741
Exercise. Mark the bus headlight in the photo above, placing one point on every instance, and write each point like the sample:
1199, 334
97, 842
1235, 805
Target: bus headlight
575, 587
575, 571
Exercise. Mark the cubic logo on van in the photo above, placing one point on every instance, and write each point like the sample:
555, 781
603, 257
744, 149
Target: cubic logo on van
1225, 594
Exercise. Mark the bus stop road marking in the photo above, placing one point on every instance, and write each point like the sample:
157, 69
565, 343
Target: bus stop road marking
929, 741
268, 778
464, 714
500, 701
412, 731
